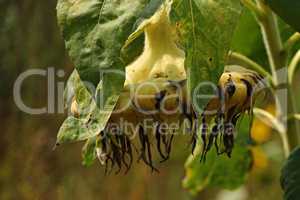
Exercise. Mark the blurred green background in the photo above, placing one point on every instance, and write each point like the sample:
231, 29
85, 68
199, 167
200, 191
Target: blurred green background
30, 169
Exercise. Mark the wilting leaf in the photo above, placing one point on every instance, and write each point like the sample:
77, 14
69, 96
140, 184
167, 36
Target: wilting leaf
219, 171
96, 30
288, 10
74, 129
89, 153
94, 33
290, 176
206, 28
69, 89
76, 91
88, 113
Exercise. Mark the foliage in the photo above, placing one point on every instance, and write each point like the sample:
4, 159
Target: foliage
29, 169
219, 171
104, 36
95, 33
202, 25
290, 177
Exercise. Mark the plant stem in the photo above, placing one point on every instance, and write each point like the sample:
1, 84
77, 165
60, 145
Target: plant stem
278, 127
252, 6
277, 58
293, 125
291, 41
296, 116
292, 66
272, 40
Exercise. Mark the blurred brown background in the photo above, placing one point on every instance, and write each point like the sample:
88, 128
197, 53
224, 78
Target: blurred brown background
29, 168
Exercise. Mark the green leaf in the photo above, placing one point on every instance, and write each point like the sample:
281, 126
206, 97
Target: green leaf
288, 10
76, 90
74, 129
90, 115
94, 33
206, 28
290, 176
69, 89
89, 151
247, 38
248, 41
219, 171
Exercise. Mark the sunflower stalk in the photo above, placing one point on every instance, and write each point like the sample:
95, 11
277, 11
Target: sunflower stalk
277, 56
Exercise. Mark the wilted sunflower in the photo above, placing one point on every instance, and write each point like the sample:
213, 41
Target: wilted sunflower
154, 103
